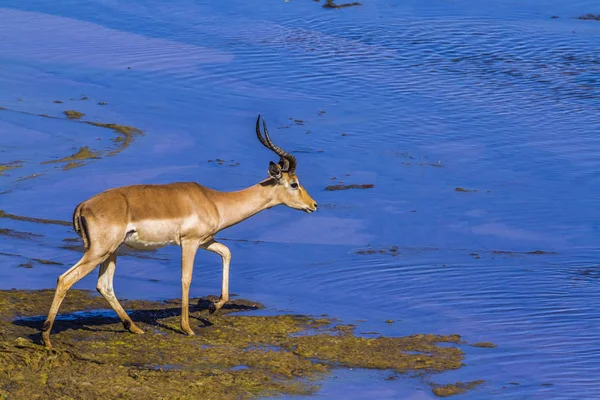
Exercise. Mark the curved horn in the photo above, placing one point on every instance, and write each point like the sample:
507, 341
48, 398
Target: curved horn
259, 135
285, 164
287, 160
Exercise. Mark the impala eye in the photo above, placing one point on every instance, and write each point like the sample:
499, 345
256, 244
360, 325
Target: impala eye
294, 185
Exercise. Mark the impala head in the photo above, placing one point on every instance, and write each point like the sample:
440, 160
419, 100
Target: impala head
289, 190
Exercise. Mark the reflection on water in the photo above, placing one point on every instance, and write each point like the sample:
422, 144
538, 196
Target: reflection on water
416, 99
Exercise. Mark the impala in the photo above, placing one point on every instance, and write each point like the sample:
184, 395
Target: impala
184, 213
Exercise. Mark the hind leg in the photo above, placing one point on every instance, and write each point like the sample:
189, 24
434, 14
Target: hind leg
188, 253
105, 287
88, 262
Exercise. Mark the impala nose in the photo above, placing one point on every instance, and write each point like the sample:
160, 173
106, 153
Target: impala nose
315, 205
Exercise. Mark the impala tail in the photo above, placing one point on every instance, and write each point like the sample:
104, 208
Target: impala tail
80, 226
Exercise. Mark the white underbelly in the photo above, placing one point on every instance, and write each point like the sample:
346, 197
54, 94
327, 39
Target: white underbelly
133, 240
150, 235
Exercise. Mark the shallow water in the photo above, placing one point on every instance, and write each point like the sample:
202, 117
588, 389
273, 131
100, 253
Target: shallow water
416, 98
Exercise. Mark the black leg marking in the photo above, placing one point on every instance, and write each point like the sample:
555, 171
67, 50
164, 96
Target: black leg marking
46, 326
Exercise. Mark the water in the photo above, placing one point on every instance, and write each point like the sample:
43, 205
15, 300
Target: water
418, 98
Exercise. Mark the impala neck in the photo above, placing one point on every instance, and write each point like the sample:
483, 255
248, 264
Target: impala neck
235, 207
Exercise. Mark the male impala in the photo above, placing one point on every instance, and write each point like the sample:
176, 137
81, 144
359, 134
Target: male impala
183, 213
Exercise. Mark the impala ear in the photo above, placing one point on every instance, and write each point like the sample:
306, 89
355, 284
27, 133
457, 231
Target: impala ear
274, 171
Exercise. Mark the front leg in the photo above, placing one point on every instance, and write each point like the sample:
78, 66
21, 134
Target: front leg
225, 254
188, 253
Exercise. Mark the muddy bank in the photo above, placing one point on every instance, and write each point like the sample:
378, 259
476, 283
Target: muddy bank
231, 356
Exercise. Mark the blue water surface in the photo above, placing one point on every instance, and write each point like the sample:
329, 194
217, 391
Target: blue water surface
499, 99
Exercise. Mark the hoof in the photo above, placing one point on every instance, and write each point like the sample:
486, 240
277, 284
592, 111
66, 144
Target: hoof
136, 330
189, 332
131, 327
212, 308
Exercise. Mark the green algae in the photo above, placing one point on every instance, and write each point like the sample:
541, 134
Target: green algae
509, 253
393, 251
341, 186
9, 166
31, 261
332, 5
46, 262
126, 135
73, 114
538, 252
94, 357
122, 129
73, 164
455, 388
460, 189
84, 153
9, 254
18, 234
15, 217
488, 345
25, 178
411, 353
